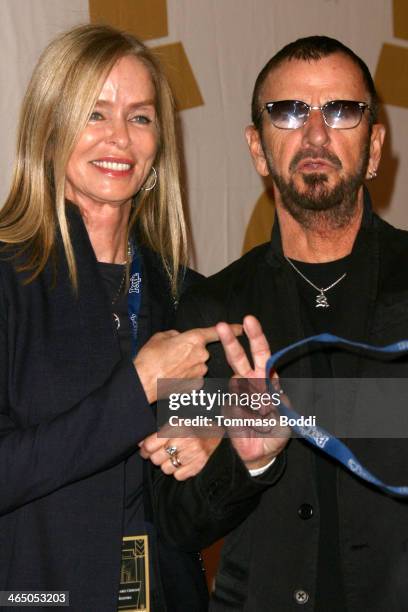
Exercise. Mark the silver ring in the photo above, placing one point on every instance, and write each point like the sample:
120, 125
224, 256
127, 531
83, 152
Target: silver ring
171, 450
175, 460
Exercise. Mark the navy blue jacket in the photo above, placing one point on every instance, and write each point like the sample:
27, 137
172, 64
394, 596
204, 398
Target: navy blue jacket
71, 411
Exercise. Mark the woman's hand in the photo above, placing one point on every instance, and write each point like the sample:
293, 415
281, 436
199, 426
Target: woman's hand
187, 456
172, 354
254, 448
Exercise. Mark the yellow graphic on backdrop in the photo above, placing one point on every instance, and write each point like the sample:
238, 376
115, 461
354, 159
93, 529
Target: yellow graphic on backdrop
175, 63
401, 19
391, 76
260, 224
147, 19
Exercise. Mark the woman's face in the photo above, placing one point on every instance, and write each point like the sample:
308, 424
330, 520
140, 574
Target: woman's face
116, 150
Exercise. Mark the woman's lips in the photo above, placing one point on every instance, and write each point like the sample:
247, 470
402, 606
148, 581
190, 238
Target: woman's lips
113, 166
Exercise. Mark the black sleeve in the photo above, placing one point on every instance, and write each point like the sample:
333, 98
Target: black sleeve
195, 513
198, 308
198, 511
91, 436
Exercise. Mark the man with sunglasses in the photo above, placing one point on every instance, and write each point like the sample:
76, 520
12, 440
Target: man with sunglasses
320, 538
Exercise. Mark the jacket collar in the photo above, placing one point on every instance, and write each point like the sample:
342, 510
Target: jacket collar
156, 300
95, 318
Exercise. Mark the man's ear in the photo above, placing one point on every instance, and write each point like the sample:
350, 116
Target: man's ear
376, 143
255, 148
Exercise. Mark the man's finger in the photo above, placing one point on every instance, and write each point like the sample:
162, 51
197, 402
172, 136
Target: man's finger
259, 345
234, 352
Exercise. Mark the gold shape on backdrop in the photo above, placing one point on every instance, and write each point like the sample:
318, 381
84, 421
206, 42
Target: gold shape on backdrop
401, 19
177, 68
260, 224
145, 19
391, 76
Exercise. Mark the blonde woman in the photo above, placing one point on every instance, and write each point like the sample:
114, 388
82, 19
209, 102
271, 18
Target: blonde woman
93, 241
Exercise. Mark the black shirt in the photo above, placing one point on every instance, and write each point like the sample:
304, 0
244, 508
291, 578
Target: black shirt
134, 523
329, 588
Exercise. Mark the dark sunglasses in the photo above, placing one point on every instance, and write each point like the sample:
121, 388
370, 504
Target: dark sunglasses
293, 114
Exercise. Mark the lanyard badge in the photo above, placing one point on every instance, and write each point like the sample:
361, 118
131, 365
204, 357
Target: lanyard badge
319, 437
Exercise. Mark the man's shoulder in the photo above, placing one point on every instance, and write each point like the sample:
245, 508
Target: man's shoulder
233, 275
388, 231
393, 241
391, 248
219, 297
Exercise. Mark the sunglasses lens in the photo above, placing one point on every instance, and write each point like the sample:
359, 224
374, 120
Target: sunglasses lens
293, 114
342, 114
288, 114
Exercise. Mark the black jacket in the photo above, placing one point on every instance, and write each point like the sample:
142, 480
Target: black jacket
274, 552
71, 411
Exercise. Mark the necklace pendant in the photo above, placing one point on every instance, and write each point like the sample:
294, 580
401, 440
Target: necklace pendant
321, 301
116, 319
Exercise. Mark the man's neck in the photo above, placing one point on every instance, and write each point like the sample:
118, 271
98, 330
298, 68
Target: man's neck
319, 243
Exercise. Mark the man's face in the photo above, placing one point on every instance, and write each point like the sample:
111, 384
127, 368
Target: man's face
315, 167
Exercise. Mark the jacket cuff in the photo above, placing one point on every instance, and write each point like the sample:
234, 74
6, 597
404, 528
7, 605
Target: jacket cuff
225, 480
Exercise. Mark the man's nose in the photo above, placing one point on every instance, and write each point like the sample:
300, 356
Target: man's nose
315, 131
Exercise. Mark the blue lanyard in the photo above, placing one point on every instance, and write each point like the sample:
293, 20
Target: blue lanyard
319, 437
134, 295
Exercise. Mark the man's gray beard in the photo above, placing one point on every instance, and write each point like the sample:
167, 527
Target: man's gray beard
320, 206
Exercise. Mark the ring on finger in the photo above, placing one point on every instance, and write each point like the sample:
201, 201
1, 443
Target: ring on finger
171, 450
175, 460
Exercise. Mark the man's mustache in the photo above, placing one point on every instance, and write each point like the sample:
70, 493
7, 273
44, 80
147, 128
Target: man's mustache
315, 154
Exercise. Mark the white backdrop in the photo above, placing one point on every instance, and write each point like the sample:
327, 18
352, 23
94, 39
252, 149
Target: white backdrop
227, 42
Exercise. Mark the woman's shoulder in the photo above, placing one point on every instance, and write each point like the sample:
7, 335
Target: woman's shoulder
9, 255
8, 274
189, 278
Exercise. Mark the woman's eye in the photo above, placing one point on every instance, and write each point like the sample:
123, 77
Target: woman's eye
95, 116
142, 119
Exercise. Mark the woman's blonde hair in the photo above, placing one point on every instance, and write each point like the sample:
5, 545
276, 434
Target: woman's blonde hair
60, 97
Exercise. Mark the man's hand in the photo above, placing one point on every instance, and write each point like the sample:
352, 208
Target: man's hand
255, 449
171, 354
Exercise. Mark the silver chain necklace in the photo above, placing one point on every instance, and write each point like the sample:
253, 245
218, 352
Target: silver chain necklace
321, 299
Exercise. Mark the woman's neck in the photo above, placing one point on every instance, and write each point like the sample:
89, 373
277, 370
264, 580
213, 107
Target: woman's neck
107, 229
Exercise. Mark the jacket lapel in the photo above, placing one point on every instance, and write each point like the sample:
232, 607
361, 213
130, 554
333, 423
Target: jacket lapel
357, 306
98, 335
157, 308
